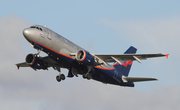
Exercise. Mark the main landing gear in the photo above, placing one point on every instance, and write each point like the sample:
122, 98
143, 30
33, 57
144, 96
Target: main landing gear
60, 76
87, 76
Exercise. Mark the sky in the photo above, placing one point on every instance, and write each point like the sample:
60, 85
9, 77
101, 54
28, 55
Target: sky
99, 26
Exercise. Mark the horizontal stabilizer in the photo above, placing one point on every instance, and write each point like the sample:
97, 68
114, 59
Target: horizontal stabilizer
137, 79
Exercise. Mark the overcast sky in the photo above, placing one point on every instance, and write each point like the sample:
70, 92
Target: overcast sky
99, 26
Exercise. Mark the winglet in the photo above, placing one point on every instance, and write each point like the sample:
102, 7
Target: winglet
17, 66
167, 55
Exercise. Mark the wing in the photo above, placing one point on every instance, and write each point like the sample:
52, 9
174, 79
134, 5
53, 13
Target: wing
24, 64
127, 57
49, 63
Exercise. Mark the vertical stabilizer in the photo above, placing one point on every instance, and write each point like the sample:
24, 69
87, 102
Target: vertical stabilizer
126, 66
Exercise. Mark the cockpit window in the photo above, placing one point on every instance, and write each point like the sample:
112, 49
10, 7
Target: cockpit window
32, 27
36, 28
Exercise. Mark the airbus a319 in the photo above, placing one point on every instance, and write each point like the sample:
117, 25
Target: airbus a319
62, 53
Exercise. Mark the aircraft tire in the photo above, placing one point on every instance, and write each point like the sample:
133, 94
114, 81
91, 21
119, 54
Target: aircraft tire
58, 78
89, 76
62, 76
84, 76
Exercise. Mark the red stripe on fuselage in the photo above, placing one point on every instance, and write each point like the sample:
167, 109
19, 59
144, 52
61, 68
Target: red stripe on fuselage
52, 50
71, 57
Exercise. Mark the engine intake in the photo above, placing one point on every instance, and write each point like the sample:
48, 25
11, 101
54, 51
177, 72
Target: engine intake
85, 57
35, 62
30, 59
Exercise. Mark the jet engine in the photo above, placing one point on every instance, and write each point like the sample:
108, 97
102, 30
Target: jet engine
85, 57
35, 62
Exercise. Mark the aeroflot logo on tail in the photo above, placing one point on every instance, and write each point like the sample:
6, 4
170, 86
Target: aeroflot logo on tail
125, 64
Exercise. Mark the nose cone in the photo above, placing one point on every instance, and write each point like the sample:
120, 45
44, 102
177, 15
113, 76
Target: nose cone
27, 33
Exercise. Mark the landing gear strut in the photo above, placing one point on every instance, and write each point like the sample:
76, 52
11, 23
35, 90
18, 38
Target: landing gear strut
60, 76
88, 75
39, 50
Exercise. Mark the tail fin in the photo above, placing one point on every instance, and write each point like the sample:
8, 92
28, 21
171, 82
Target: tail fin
126, 66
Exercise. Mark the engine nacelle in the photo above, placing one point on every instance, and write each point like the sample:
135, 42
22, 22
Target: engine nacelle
85, 57
35, 62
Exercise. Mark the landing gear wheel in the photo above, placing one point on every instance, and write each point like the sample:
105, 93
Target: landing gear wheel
84, 76
89, 76
62, 76
58, 78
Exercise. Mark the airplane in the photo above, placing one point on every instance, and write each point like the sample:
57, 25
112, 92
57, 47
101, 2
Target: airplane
62, 53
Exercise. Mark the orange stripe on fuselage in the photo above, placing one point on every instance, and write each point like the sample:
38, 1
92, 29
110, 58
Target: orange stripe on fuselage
71, 57
53, 50
104, 68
